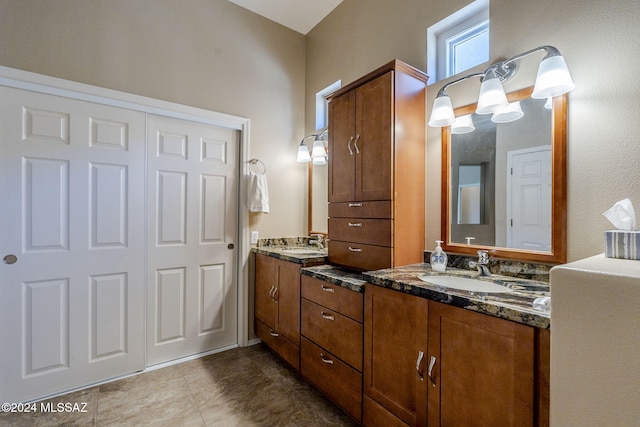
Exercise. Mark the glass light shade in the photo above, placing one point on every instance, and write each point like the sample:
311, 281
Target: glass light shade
510, 113
553, 78
463, 124
492, 96
319, 160
303, 154
442, 113
318, 149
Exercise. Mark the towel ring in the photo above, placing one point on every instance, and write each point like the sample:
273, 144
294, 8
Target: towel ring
254, 163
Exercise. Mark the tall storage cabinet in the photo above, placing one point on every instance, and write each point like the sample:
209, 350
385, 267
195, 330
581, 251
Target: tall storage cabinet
376, 169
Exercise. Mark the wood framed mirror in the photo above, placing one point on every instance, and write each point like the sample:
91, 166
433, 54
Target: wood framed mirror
504, 184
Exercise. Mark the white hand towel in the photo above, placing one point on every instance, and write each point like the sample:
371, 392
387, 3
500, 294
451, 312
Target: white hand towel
258, 193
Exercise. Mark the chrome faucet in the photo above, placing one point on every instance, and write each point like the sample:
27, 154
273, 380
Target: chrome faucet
318, 241
482, 263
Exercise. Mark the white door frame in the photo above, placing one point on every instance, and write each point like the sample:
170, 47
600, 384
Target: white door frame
26, 80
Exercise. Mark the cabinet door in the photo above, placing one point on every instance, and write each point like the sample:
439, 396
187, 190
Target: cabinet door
395, 356
484, 369
288, 297
373, 145
266, 306
341, 149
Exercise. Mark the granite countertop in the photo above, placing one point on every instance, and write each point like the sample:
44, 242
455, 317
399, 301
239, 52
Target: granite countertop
515, 306
336, 276
302, 254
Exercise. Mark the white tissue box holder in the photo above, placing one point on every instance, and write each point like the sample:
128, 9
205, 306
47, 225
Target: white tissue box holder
622, 244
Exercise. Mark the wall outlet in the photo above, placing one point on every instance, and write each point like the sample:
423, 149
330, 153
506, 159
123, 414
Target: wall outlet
254, 237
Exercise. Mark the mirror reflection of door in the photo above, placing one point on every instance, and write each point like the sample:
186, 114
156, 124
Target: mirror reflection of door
529, 198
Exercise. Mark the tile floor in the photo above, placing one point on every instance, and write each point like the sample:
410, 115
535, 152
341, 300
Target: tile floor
243, 387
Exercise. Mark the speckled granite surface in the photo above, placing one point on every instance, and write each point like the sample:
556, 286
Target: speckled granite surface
515, 306
336, 276
503, 267
293, 249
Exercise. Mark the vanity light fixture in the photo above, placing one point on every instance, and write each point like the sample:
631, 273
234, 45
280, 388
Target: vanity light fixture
553, 79
462, 124
318, 154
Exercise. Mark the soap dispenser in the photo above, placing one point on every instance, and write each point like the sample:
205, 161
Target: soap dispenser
438, 258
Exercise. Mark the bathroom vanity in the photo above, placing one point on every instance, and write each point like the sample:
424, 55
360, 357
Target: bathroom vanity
393, 350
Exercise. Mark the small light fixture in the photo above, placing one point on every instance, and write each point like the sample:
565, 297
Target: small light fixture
303, 153
318, 154
549, 104
510, 113
462, 124
553, 79
492, 97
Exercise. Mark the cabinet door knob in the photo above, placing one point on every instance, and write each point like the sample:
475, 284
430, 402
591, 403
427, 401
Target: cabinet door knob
325, 359
432, 363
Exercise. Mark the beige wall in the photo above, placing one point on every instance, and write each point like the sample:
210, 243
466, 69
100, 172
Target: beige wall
599, 42
209, 54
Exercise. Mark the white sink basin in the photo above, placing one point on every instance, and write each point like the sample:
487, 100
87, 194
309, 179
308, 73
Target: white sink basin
464, 284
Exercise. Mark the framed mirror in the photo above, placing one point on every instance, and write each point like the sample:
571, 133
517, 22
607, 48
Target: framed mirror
504, 184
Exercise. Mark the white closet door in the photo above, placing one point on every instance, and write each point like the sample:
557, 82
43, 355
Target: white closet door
191, 229
72, 219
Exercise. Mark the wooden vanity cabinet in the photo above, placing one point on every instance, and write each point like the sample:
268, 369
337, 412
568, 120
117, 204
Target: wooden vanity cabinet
484, 369
277, 306
331, 344
395, 358
377, 134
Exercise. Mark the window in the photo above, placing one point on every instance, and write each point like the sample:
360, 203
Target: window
459, 42
322, 110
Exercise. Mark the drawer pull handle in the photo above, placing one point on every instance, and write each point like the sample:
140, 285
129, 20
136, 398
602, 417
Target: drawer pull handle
355, 249
432, 363
325, 359
327, 316
355, 224
273, 288
355, 205
326, 289
418, 363
274, 334
355, 144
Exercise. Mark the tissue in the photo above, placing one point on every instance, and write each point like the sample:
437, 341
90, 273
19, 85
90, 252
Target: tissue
624, 242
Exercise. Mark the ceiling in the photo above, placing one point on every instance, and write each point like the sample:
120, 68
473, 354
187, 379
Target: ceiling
299, 15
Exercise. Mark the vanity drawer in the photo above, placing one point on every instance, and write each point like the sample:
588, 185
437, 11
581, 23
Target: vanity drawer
360, 256
362, 230
285, 348
378, 209
335, 297
337, 380
338, 334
